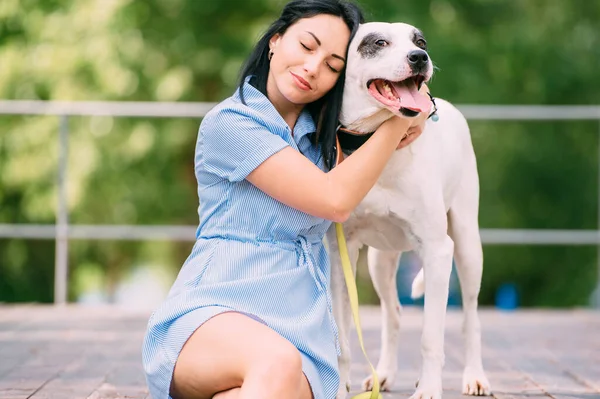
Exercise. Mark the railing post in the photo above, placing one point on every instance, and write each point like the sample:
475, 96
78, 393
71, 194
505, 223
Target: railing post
62, 216
596, 294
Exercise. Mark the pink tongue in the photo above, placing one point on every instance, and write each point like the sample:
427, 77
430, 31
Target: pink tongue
410, 97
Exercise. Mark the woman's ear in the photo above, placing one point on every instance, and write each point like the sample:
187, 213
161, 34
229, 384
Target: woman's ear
274, 41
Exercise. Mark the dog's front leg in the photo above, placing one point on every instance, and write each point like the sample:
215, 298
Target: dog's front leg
341, 305
383, 266
436, 255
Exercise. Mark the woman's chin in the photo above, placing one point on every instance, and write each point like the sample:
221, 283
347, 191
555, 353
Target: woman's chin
296, 97
289, 90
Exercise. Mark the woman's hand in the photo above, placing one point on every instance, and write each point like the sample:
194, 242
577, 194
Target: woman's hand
413, 133
417, 126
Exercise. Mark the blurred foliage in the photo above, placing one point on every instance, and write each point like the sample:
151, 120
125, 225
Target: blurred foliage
140, 170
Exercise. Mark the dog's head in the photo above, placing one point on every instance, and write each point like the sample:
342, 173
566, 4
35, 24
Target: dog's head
387, 64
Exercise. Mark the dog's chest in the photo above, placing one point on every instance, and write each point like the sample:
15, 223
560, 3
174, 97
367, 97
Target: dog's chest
382, 232
398, 187
380, 220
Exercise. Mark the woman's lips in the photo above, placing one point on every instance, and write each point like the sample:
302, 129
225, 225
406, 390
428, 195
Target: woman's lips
301, 83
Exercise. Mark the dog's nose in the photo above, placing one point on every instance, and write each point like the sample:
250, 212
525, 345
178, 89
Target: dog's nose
417, 59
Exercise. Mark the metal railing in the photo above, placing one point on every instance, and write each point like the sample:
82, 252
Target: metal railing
62, 231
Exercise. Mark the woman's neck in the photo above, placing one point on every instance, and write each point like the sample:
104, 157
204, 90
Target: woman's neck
288, 111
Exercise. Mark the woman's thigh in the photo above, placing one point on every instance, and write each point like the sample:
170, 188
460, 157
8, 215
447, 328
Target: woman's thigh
220, 354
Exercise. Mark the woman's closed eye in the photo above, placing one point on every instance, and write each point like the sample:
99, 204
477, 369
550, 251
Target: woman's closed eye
333, 69
305, 46
328, 65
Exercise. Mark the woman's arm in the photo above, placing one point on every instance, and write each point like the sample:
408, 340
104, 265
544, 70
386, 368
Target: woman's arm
291, 178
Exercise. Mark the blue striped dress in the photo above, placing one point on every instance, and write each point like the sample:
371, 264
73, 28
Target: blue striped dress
253, 254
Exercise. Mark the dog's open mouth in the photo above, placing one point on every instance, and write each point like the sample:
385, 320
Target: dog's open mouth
403, 96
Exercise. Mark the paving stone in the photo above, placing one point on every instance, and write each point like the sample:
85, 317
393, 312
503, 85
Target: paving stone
71, 352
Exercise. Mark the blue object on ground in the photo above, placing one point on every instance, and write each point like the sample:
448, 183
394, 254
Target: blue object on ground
507, 297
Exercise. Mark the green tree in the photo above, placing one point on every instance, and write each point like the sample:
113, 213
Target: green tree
140, 171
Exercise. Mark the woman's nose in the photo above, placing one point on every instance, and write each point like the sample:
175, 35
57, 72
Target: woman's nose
311, 65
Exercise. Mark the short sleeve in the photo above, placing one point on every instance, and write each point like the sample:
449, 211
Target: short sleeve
234, 144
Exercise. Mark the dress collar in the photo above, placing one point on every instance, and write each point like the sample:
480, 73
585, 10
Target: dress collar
258, 101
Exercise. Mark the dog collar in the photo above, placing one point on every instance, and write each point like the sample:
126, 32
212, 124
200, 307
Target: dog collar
434, 116
351, 140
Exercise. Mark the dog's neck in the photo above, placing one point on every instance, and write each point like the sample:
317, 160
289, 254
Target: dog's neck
357, 125
354, 135
365, 123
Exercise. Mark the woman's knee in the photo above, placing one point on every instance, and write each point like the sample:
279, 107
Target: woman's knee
282, 360
230, 348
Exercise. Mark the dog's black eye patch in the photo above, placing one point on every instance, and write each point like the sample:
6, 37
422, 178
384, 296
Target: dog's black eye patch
371, 45
419, 40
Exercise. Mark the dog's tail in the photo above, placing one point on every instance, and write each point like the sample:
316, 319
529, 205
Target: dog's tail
418, 286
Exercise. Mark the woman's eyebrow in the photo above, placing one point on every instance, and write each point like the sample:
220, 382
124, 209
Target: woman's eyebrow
319, 43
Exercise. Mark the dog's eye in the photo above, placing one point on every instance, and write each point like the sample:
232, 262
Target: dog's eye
381, 43
421, 43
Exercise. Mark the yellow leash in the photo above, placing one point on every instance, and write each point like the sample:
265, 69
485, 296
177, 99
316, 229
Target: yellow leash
353, 294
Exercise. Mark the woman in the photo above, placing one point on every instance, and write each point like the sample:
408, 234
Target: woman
249, 315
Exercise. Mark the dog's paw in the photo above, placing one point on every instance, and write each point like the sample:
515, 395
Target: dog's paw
428, 388
385, 382
475, 382
424, 392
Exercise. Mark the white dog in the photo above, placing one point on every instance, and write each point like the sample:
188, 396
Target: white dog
426, 200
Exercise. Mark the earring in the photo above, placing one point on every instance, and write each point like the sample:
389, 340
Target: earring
270, 55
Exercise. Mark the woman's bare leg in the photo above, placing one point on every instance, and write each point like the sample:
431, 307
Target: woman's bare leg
232, 350
228, 394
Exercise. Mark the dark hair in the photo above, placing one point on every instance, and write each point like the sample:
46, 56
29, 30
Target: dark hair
326, 110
